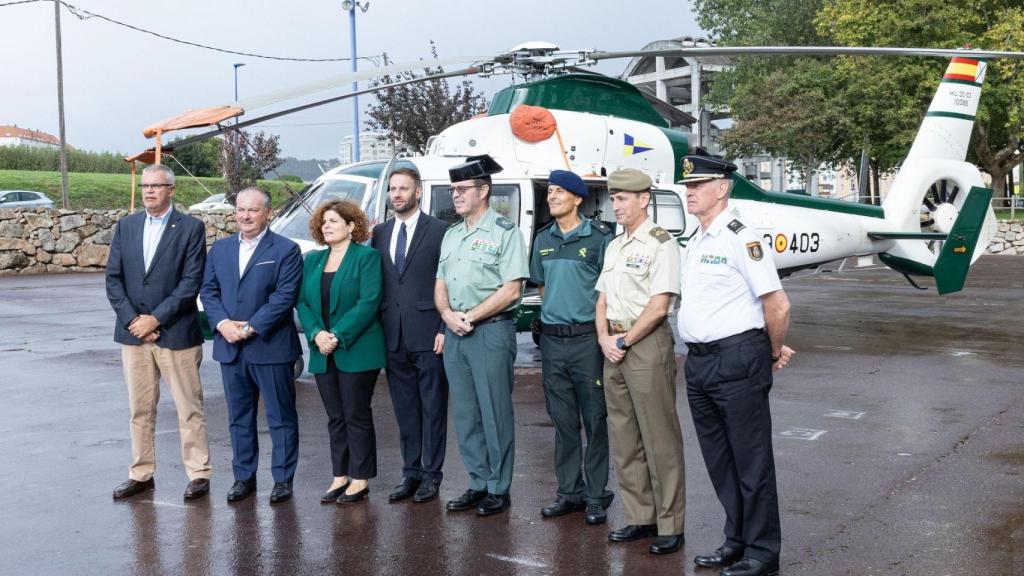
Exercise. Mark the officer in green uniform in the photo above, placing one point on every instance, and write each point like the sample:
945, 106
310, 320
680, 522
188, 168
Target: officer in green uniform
567, 257
479, 285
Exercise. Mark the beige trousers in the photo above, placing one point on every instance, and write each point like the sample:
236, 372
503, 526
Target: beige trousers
646, 437
144, 365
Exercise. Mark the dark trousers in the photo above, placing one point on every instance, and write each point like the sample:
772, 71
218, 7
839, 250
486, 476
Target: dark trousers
573, 392
728, 394
243, 385
346, 397
419, 394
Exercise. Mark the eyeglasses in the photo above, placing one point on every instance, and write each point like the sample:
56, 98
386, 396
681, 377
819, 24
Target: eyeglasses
154, 186
460, 190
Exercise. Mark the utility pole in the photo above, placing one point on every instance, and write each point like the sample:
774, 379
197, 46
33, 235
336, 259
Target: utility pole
350, 7
64, 199
238, 134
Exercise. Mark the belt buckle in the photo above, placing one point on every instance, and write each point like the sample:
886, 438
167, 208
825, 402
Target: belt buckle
618, 327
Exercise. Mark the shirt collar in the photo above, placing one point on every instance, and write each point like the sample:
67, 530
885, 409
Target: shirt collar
582, 230
161, 219
718, 223
486, 222
643, 232
410, 223
255, 241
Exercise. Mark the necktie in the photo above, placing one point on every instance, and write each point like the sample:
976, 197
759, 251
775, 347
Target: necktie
403, 238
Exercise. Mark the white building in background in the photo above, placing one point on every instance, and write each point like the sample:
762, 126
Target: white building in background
373, 145
14, 136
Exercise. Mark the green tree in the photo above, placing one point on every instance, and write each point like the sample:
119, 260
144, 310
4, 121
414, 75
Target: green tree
245, 156
987, 24
414, 112
201, 158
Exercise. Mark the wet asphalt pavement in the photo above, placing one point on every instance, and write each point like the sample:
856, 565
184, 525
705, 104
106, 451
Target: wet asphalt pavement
899, 443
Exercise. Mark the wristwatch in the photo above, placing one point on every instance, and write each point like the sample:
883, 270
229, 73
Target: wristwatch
246, 328
621, 343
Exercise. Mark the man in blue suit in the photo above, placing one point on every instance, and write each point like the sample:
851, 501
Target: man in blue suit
250, 287
410, 247
153, 275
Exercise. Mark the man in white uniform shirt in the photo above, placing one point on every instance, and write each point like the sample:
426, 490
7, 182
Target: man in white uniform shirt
734, 318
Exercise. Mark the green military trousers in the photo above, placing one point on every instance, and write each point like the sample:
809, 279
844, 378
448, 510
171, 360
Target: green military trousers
574, 392
645, 432
479, 367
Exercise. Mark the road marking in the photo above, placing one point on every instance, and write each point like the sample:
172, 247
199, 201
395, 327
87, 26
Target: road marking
846, 414
520, 561
959, 354
809, 434
841, 348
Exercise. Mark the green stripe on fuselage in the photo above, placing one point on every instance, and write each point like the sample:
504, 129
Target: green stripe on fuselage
950, 115
964, 82
744, 189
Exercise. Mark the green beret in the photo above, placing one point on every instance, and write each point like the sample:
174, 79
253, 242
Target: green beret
629, 180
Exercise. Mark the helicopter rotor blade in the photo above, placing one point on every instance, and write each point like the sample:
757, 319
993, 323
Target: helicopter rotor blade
805, 51
224, 128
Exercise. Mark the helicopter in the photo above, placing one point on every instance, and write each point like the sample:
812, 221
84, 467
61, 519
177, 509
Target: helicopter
936, 221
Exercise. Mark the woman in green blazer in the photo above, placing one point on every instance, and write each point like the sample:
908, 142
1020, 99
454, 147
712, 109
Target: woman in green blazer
338, 308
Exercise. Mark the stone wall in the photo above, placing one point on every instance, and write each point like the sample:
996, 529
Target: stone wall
40, 240
1009, 239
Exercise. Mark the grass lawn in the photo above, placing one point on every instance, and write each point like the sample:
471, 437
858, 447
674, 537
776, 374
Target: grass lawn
110, 191
1004, 214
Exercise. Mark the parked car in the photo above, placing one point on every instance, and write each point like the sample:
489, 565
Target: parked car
214, 203
24, 199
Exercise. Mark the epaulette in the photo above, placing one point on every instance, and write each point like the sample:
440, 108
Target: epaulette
601, 227
736, 226
660, 234
546, 226
505, 223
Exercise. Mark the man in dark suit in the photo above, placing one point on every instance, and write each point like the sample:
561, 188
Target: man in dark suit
249, 289
410, 245
153, 275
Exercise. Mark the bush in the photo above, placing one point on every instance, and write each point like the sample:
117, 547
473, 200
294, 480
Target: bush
48, 159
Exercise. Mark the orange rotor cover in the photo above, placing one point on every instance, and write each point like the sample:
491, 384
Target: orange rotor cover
532, 123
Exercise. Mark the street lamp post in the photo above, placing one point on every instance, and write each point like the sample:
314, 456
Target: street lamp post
238, 139
350, 7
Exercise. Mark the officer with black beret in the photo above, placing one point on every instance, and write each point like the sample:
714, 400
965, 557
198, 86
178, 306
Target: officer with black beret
567, 258
480, 275
733, 317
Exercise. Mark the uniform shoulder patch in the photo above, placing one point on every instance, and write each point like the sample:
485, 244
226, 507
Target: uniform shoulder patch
600, 227
660, 234
736, 226
754, 251
505, 223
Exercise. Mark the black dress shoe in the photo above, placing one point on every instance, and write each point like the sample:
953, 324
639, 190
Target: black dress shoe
561, 507
405, 489
197, 488
751, 567
667, 544
331, 496
493, 504
130, 488
282, 492
428, 491
723, 556
242, 489
597, 513
349, 498
633, 532
469, 499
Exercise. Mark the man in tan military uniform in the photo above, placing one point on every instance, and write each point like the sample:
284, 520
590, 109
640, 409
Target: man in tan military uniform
637, 286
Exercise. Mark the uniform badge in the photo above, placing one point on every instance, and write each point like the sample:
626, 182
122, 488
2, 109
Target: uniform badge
583, 252
687, 167
736, 226
660, 234
754, 251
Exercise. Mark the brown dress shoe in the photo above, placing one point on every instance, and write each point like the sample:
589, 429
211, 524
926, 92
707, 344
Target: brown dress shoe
130, 488
197, 488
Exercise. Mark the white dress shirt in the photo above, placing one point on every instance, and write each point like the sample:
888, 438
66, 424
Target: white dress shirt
152, 231
246, 248
410, 227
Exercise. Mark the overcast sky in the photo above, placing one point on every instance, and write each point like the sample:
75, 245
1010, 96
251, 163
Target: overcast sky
117, 81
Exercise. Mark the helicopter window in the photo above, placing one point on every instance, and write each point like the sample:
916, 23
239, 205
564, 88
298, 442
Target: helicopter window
666, 208
504, 200
296, 222
594, 206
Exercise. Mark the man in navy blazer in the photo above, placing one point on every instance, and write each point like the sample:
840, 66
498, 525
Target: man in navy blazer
249, 289
410, 246
153, 275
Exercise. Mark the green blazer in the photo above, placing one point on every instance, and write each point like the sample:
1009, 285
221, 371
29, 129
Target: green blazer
355, 302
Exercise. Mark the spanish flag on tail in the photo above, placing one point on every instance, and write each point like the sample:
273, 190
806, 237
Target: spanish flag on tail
965, 69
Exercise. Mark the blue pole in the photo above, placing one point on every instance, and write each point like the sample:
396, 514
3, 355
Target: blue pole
355, 87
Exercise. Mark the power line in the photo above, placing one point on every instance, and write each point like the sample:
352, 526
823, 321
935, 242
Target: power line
83, 14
